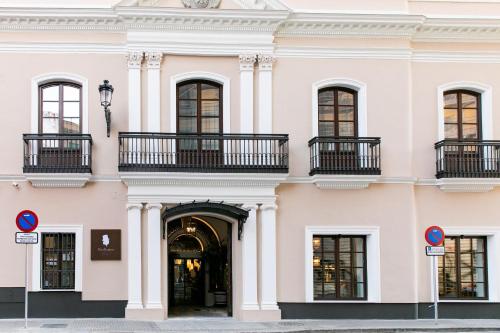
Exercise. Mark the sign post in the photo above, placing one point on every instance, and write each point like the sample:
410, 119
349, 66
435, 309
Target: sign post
26, 221
435, 237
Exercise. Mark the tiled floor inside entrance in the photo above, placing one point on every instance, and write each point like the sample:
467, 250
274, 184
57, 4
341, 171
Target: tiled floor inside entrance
197, 311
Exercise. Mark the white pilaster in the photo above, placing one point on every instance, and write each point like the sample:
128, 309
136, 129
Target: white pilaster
266, 93
268, 259
153, 297
153, 61
247, 64
249, 260
134, 257
134, 91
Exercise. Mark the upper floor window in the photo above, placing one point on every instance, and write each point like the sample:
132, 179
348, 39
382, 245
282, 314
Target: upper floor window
339, 267
337, 108
199, 107
462, 115
60, 108
463, 269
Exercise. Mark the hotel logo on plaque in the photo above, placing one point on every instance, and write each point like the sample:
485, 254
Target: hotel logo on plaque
105, 244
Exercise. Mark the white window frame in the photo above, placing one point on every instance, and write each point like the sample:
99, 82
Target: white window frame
358, 86
492, 235
37, 255
486, 106
372, 260
53, 77
226, 96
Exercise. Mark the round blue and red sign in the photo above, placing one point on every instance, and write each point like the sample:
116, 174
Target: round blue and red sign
27, 221
434, 236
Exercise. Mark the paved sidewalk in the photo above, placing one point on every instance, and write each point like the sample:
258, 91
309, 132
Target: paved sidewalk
228, 325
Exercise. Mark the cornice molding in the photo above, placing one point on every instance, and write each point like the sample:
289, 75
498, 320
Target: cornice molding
275, 20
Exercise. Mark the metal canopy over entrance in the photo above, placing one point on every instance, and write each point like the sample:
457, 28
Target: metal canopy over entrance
205, 207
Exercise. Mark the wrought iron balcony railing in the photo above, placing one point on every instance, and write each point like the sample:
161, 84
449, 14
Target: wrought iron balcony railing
467, 159
170, 152
57, 153
344, 156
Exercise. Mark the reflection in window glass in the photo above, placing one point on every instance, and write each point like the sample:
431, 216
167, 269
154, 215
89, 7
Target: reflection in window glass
339, 270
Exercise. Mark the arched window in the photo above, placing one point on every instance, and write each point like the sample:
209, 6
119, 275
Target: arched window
199, 111
462, 115
337, 112
199, 107
60, 108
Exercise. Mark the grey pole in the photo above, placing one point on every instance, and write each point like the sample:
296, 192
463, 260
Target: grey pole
26, 289
436, 288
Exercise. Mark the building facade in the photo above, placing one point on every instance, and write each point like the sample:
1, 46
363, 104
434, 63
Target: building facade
265, 159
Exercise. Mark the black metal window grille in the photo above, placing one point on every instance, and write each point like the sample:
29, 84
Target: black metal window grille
463, 269
339, 266
58, 261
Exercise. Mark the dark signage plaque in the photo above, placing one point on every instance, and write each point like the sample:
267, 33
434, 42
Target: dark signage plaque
105, 244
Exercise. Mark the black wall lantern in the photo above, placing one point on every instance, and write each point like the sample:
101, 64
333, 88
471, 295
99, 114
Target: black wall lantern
106, 91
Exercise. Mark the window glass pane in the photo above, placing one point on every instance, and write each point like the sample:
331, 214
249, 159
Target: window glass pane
188, 91
326, 129
358, 244
467, 289
188, 108
479, 275
450, 274
469, 131
469, 116
345, 244
326, 113
478, 260
465, 260
209, 91
328, 244
465, 274
480, 290
316, 244
345, 275
187, 125
478, 244
346, 98
50, 109
345, 259
71, 125
210, 108
71, 93
359, 277
329, 290
450, 101
450, 131
450, 116
345, 290
210, 125
469, 101
346, 129
360, 290
71, 109
346, 113
449, 244
51, 93
325, 97
359, 260
50, 125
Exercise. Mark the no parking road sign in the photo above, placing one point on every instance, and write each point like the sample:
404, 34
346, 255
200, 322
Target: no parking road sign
434, 236
27, 221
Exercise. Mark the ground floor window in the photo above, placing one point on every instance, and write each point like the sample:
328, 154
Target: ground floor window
339, 267
58, 261
463, 269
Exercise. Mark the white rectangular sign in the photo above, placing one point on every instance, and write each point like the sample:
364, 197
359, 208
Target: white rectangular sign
26, 238
434, 250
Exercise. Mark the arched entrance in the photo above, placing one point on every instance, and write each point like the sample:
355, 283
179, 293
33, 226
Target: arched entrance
199, 241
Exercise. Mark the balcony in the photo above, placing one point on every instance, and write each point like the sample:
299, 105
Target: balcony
203, 153
57, 160
344, 162
467, 166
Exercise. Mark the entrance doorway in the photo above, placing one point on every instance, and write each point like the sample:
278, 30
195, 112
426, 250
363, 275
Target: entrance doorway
199, 266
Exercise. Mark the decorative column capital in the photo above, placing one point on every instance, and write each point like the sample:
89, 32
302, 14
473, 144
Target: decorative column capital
268, 207
266, 62
247, 62
131, 206
135, 59
153, 206
153, 59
